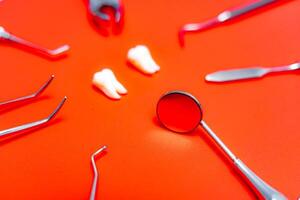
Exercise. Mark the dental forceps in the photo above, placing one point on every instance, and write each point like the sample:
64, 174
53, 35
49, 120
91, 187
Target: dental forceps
99, 16
51, 53
35, 123
222, 17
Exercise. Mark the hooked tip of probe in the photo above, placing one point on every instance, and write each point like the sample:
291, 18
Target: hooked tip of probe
196, 27
99, 151
181, 37
60, 105
60, 50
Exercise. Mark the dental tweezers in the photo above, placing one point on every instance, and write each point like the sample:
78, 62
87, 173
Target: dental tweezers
35, 123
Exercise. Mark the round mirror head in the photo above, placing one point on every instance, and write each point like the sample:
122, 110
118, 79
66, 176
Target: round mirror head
179, 111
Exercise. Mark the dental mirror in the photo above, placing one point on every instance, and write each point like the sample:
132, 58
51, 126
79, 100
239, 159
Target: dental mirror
181, 112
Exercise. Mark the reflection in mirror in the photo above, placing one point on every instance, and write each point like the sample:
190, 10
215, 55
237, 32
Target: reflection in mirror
179, 112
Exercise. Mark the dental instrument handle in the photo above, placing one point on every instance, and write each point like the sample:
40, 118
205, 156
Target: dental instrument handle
48, 52
55, 52
262, 189
35, 123
236, 12
31, 96
291, 67
247, 73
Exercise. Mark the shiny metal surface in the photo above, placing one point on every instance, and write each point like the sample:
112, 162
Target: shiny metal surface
218, 141
31, 96
236, 74
96, 174
265, 191
247, 73
262, 189
96, 6
4, 35
222, 17
35, 123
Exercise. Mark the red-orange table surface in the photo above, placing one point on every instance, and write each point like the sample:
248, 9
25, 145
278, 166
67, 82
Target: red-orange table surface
257, 119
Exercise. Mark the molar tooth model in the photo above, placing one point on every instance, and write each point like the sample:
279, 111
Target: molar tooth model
140, 57
107, 82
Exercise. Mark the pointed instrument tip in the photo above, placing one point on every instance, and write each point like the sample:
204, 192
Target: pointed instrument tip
60, 50
181, 37
99, 151
195, 27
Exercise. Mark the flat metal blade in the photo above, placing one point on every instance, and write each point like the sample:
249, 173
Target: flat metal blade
236, 74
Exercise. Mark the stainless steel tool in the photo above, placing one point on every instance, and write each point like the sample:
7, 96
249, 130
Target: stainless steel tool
247, 73
181, 112
105, 14
222, 17
96, 6
96, 175
4, 35
30, 96
35, 123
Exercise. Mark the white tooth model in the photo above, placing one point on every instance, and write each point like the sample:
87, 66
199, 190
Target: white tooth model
141, 58
107, 82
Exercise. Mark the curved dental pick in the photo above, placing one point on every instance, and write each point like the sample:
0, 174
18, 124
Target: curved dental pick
31, 96
47, 52
96, 175
222, 17
35, 123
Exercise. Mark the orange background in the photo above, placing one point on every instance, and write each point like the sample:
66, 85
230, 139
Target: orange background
257, 119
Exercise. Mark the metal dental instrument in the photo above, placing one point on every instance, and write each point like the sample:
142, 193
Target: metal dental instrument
96, 6
247, 73
181, 112
35, 123
4, 35
222, 17
96, 175
31, 96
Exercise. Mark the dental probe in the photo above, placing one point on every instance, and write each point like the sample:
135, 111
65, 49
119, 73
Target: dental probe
95, 170
51, 53
222, 17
